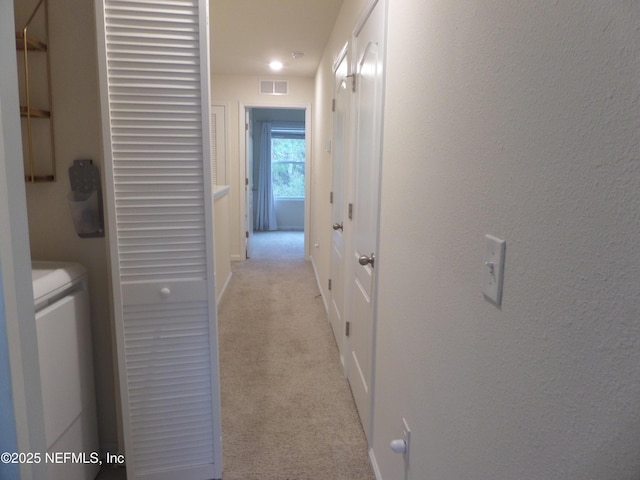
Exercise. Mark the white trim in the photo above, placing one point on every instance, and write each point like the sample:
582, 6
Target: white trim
242, 160
15, 262
308, 132
223, 290
340, 57
205, 92
110, 220
315, 271
374, 337
345, 169
364, 16
307, 173
374, 464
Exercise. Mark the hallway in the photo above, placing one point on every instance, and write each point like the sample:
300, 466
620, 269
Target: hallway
287, 411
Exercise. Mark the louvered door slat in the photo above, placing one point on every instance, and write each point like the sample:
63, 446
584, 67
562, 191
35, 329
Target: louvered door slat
159, 187
162, 385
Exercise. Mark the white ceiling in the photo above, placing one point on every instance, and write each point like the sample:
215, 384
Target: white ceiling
247, 34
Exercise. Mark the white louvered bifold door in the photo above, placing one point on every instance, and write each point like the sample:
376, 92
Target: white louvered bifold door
154, 80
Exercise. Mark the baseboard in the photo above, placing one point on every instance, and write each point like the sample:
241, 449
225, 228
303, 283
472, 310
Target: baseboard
224, 288
315, 271
374, 465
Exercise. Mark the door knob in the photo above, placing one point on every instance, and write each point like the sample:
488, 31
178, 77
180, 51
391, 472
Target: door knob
338, 226
398, 446
364, 260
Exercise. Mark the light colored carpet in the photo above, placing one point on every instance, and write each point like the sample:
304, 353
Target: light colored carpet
287, 411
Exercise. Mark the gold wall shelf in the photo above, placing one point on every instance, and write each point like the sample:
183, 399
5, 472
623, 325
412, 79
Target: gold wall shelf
34, 112
33, 44
29, 44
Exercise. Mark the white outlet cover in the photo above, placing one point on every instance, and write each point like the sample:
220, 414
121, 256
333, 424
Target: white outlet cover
406, 434
493, 268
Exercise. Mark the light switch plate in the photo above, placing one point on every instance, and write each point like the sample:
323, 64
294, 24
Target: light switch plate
493, 268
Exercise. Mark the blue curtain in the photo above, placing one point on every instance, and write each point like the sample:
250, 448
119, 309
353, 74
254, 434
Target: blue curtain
265, 208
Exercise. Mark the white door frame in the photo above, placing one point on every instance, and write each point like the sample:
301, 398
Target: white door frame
338, 272
351, 263
242, 108
15, 262
156, 301
249, 187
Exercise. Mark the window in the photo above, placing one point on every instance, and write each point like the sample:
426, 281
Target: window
288, 147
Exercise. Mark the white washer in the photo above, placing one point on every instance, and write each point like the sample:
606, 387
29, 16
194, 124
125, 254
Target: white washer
61, 298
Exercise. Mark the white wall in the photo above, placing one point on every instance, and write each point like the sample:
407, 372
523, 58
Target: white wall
521, 120
234, 91
76, 110
289, 213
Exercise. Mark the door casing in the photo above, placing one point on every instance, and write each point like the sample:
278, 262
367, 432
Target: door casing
342, 102
243, 155
363, 193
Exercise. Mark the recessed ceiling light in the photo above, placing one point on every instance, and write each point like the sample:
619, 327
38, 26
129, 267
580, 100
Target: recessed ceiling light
275, 65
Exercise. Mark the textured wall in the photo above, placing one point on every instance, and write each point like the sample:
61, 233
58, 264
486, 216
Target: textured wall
521, 120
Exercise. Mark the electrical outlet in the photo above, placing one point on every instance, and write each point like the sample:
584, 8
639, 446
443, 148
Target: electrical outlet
403, 446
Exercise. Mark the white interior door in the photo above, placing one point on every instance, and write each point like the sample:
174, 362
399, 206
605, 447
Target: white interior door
248, 183
369, 62
154, 82
338, 209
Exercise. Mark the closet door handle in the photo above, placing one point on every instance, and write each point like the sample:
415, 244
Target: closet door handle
338, 226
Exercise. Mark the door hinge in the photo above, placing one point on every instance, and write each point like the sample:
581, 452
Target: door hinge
351, 211
246, 182
347, 328
246, 127
333, 105
330, 197
329, 284
353, 78
246, 234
